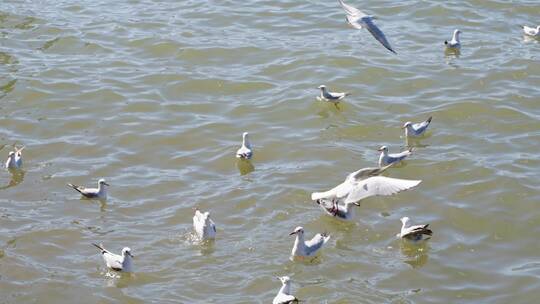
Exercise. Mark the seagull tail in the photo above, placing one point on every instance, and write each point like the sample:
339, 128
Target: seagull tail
347, 94
100, 247
75, 187
411, 149
429, 119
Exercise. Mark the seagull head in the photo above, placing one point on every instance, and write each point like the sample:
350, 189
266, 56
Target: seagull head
284, 280
102, 182
11, 154
126, 251
383, 149
407, 124
245, 135
322, 87
298, 230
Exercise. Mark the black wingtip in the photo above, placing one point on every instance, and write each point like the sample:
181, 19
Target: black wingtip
99, 247
446, 42
429, 119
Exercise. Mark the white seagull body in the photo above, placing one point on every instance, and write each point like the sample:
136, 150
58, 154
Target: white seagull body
414, 232
417, 129
284, 295
309, 248
14, 160
454, 43
245, 152
358, 19
117, 262
357, 187
386, 158
203, 225
531, 31
334, 97
98, 193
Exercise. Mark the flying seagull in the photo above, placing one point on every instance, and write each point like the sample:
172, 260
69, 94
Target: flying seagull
358, 19
416, 129
100, 192
357, 186
117, 262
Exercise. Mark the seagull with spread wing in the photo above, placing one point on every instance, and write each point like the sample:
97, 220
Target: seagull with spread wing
358, 19
357, 186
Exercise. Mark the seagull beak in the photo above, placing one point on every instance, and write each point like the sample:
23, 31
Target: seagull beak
403, 127
379, 149
106, 184
131, 255
294, 232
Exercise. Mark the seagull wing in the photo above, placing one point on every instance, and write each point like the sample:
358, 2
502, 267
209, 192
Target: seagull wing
421, 126
416, 230
379, 185
316, 243
376, 32
338, 191
368, 172
350, 10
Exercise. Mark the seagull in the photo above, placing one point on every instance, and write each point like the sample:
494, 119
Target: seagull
14, 160
284, 294
203, 225
100, 192
117, 262
386, 158
358, 19
454, 43
414, 232
309, 248
357, 186
531, 31
333, 97
416, 129
245, 152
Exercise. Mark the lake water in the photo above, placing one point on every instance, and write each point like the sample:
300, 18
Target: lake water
154, 97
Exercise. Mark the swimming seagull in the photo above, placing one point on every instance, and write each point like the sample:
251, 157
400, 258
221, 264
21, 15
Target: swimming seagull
454, 43
100, 192
117, 262
416, 129
531, 31
284, 294
358, 19
414, 232
309, 248
245, 152
386, 158
356, 187
14, 160
203, 225
333, 97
